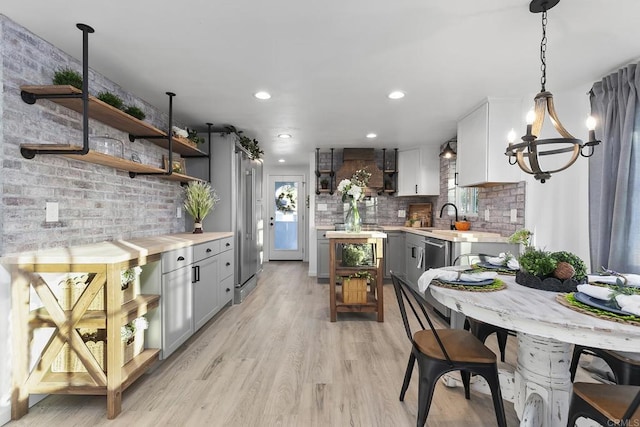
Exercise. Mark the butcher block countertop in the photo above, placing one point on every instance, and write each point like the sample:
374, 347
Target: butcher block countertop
114, 251
443, 234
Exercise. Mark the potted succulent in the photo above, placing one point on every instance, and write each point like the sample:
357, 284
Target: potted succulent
111, 99
324, 183
199, 201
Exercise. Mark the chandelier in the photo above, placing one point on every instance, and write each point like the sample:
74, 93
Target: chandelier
528, 152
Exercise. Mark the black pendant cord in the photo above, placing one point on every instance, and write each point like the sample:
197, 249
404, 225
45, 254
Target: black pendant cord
31, 98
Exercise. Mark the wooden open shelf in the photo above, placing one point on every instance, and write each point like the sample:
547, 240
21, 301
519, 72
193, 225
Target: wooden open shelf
115, 118
111, 161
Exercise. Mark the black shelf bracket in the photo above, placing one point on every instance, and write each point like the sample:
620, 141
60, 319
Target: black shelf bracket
169, 137
31, 98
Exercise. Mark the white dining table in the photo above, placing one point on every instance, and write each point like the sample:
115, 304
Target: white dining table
540, 388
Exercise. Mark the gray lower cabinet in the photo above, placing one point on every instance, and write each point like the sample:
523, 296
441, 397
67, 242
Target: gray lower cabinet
323, 255
197, 282
394, 253
206, 302
176, 299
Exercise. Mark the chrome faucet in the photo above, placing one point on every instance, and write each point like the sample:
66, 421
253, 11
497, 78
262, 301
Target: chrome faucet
453, 227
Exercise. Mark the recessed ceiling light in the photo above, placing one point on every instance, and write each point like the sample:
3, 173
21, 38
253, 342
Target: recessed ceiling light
281, 161
284, 136
371, 135
262, 95
396, 94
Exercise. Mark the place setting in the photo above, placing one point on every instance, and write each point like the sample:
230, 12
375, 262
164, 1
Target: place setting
461, 279
614, 297
505, 263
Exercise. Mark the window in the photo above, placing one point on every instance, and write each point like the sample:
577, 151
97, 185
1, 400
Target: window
465, 198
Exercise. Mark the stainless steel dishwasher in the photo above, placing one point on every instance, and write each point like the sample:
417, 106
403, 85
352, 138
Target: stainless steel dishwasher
437, 253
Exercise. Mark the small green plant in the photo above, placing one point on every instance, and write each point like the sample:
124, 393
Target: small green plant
67, 76
200, 199
111, 99
134, 111
324, 183
522, 236
251, 145
361, 275
537, 262
193, 136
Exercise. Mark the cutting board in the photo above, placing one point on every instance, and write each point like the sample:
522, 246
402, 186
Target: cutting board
423, 212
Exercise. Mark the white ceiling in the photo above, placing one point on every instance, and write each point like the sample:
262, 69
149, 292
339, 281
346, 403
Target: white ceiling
330, 64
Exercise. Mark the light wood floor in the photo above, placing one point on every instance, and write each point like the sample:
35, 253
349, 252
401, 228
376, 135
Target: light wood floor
276, 360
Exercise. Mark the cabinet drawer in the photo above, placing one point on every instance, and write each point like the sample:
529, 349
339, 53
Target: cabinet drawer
205, 250
226, 264
226, 244
176, 258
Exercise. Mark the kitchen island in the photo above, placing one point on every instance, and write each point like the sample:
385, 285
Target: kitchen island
374, 297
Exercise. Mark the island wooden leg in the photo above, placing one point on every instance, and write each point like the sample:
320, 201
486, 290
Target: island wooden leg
114, 356
332, 280
20, 341
379, 288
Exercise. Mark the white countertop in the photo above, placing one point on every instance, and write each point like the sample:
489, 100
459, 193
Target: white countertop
114, 251
449, 235
361, 235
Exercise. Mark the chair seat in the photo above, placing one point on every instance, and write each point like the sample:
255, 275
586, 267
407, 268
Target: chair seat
461, 346
611, 401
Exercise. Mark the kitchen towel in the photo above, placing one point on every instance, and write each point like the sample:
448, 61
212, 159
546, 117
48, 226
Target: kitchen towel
632, 279
451, 275
598, 292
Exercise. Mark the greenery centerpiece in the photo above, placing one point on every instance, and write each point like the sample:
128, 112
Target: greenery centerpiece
352, 191
551, 271
200, 199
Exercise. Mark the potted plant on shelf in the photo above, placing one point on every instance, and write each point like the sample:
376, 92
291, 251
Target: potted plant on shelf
67, 76
324, 183
199, 201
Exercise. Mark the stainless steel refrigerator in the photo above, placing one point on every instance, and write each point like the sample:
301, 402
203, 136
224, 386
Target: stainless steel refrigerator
238, 181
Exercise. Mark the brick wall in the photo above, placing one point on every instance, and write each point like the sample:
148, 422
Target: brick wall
95, 202
499, 199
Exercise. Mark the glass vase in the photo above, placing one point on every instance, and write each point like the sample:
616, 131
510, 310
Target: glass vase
353, 222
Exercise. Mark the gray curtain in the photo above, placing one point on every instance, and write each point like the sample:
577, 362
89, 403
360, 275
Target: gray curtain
614, 176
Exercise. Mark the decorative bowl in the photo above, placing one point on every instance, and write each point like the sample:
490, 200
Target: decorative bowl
463, 225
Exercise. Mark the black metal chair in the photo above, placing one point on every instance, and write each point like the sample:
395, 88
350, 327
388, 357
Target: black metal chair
439, 351
625, 371
609, 405
480, 329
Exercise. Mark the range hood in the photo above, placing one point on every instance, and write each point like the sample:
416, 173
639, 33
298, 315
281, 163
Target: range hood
361, 158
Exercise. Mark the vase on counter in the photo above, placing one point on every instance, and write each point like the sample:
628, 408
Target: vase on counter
353, 222
197, 226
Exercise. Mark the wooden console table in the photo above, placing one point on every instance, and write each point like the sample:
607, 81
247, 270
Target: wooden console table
374, 302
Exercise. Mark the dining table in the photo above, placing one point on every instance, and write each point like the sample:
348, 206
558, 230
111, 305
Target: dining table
540, 387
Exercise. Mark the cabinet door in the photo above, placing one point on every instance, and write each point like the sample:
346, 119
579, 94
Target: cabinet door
482, 140
394, 254
177, 309
205, 291
323, 256
419, 172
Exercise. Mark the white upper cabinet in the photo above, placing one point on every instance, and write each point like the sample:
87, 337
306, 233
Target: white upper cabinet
419, 172
482, 141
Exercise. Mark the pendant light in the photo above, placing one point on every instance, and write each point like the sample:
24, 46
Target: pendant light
448, 152
528, 152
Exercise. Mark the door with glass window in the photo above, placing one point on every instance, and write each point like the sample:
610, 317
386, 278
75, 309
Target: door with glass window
286, 217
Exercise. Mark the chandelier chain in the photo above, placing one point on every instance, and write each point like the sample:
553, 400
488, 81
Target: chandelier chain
543, 51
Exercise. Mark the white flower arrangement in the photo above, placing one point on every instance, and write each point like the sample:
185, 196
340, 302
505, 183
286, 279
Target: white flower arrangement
128, 331
179, 132
353, 189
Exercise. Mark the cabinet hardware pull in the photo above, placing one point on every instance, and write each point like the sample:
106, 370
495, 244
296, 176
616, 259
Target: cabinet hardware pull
416, 188
180, 258
208, 250
228, 244
228, 290
194, 278
228, 264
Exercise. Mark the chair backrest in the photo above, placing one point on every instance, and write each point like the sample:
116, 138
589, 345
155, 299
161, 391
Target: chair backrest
632, 408
470, 259
408, 296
